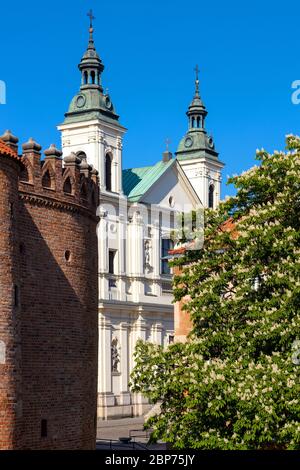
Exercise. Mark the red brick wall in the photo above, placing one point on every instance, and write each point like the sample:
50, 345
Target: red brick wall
10, 327
57, 380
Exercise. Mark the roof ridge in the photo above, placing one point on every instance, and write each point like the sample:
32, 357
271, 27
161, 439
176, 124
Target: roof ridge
138, 167
148, 179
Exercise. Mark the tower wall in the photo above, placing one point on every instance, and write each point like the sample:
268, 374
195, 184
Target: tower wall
59, 304
48, 248
10, 327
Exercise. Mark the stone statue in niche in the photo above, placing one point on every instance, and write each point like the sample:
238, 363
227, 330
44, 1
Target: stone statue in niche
147, 256
115, 356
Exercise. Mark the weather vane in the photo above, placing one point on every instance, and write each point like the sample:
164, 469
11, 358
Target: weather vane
90, 15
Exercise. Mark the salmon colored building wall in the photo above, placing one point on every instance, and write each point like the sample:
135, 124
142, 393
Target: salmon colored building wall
182, 322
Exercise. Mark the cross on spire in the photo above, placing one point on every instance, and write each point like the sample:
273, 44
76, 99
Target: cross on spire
168, 141
91, 16
196, 69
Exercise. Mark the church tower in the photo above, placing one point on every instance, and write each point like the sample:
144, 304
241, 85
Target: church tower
197, 155
91, 128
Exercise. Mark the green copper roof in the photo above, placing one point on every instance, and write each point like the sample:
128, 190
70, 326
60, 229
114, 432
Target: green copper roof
196, 143
137, 181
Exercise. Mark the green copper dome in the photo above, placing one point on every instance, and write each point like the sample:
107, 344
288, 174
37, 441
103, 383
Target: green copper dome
90, 103
195, 144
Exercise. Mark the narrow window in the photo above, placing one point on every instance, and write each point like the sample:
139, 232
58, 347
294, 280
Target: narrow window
108, 172
24, 175
93, 77
211, 196
83, 188
198, 121
193, 121
46, 181
44, 430
16, 296
166, 246
68, 186
111, 261
85, 78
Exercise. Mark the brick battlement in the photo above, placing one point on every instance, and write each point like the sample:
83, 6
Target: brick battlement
71, 183
49, 298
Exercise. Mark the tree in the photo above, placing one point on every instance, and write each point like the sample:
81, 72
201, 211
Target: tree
233, 384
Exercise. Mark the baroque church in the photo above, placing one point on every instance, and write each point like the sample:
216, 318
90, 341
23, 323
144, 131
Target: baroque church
138, 211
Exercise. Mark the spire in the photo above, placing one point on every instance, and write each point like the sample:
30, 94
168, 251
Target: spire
91, 30
197, 111
91, 65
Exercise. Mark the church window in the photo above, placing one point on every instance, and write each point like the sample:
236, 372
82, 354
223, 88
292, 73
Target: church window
108, 172
166, 246
93, 77
85, 78
198, 121
68, 186
193, 122
111, 261
211, 196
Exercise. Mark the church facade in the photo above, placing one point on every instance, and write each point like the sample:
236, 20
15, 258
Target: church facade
138, 211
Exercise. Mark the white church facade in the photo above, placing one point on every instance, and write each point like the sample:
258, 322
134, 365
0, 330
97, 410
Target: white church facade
138, 211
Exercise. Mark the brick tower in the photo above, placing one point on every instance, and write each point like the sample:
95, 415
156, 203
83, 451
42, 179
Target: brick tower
48, 302
10, 326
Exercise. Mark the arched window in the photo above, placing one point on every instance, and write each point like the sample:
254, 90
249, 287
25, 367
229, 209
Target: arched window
211, 196
85, 78
93, 77
193, 121
46, 180
108, 172
24, 175
198, 121
68, 186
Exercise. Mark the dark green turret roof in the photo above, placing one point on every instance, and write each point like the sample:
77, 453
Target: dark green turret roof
196, 143
91, 102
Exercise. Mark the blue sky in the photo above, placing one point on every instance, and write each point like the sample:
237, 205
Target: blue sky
248, 54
